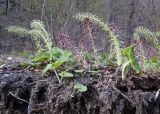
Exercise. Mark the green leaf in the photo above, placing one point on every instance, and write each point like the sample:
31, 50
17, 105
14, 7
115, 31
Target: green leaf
41, 58
66, 74
130, 55
88, 56
80, 87
48, 67
57, 64
155, 59
66, 56
56, 53
126, 51
129, 52
61, 55
135, 65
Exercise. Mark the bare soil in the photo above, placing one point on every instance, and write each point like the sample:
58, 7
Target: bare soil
26, 92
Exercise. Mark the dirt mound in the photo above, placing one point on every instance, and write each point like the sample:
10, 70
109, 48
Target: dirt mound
26, 92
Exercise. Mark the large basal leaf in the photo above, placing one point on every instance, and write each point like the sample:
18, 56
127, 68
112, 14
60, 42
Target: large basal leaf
66, 56
61, 55
80, 87
42, 58
57, 53
57, 64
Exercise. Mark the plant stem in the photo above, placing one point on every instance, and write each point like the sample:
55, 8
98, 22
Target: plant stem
57, 76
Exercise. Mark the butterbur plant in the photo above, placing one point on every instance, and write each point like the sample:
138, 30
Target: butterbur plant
147, 53
88, 26
37, 32
66, 42
113, 37
127, 59
52, 58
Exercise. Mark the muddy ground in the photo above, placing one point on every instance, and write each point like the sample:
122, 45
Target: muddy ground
26, 92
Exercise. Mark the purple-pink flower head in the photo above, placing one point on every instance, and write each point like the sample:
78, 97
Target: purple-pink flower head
65, 41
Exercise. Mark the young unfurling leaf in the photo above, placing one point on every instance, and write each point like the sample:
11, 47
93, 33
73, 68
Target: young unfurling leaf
131, 61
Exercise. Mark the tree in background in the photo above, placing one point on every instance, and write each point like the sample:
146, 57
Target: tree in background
126, 15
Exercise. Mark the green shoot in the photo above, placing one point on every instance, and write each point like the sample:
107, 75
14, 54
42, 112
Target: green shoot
130, 61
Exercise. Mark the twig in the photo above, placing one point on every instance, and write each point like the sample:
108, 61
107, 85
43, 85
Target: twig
59, 80
123, 95
118, 92
18, 98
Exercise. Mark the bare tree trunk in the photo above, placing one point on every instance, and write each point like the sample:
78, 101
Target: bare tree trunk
112, 14
7, 6
154, 15
130, 27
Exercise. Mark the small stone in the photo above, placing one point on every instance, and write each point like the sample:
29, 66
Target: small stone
9, 58
5, 75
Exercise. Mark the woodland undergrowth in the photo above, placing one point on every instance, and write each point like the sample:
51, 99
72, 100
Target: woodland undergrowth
69, 59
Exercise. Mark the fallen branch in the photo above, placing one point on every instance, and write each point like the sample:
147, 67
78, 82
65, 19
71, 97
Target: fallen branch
59, 80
